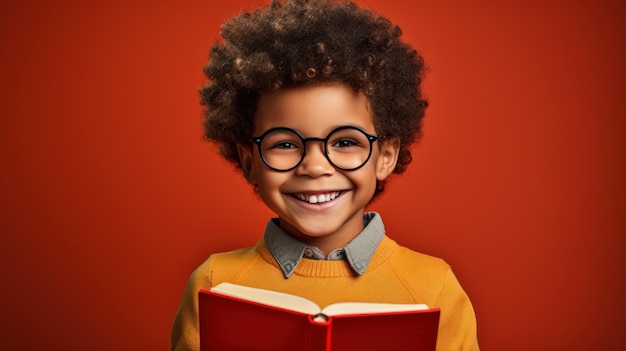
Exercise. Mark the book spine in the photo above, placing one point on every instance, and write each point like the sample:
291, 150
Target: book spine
317, 335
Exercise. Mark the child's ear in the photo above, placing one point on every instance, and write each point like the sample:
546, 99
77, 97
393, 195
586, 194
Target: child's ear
388, 158
245, 158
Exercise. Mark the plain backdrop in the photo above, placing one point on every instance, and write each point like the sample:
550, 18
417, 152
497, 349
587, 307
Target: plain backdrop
109, 197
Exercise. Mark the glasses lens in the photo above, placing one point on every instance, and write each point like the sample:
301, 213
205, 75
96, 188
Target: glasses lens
282, 149
348, 148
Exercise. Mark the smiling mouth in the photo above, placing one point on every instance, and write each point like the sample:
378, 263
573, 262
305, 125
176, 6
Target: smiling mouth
317, 198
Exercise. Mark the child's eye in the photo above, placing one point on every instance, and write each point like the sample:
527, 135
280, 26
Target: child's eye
285, 145
342, 143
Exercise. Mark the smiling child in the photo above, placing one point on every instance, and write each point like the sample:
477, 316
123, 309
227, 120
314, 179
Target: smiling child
317, 103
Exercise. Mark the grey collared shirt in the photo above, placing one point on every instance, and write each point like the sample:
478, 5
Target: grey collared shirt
289, 251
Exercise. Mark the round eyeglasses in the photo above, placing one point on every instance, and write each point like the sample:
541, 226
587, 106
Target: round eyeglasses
347, 148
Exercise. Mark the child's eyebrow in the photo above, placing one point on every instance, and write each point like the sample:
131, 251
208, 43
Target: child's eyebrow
326, 131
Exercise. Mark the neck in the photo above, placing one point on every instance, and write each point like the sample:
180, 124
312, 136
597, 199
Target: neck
327, 241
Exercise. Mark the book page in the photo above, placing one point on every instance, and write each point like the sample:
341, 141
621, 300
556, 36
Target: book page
268, 297
347, 308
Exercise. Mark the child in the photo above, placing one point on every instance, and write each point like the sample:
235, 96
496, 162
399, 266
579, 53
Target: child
317, 103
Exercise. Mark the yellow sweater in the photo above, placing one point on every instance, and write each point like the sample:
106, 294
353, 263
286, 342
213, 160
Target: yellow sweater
395, 275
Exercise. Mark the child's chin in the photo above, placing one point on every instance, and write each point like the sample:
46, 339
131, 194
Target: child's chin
313, 229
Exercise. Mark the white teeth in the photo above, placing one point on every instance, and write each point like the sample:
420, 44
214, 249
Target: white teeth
319, 198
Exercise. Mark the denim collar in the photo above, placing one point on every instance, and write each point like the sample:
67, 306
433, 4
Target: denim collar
289, 251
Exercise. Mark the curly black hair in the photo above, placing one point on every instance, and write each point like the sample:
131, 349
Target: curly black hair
313, 42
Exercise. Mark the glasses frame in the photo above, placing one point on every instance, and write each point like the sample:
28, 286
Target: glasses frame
258, 140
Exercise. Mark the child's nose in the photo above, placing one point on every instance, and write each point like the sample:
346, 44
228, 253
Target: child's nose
315, 163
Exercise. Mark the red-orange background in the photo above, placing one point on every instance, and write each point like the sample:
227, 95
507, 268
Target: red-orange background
109, 197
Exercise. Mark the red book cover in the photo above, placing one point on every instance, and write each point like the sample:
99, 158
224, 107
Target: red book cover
236, 322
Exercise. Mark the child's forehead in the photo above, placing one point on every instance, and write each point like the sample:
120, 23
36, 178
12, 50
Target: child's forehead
313, 109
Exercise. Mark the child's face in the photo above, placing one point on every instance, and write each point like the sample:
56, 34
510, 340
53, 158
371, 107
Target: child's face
317, 202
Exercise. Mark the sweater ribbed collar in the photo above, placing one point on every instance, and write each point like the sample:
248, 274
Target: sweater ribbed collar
289, 251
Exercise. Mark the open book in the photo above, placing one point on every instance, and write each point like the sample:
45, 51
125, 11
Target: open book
235, 317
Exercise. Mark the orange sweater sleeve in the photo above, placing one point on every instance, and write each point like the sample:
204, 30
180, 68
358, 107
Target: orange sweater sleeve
457, 324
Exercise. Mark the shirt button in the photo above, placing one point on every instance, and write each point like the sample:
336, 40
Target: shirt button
308, 253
